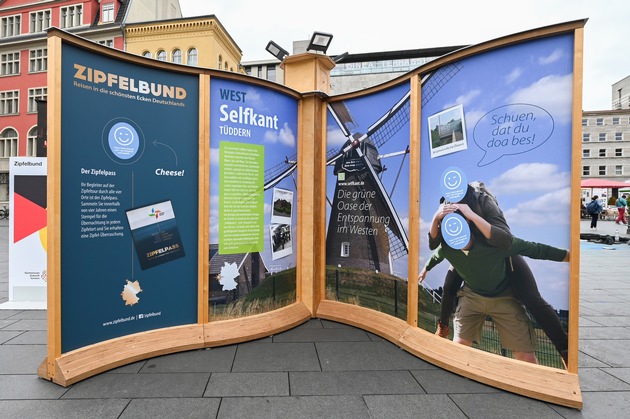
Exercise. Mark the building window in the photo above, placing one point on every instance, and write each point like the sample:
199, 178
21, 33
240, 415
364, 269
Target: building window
192, 57
584, 122
220, 62
146, 54
107, 43
602, 170
10, 26
10, 63
616, 120
225, 66
177, 56
40, 93
586, 170
8, 143
9, 102
602, 136
618, 136
108, 12
586, 137
259, 72
619, 152
271, 72
71, 16
161, 55
38, 60
600, 121
345, 249
40, 21
31, 143
586, 153
619, 170
248, 70
602, 152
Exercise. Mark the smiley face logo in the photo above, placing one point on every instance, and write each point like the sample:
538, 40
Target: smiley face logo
455, 231
453, 226
452, 179
453, 184
123, 135
123, 141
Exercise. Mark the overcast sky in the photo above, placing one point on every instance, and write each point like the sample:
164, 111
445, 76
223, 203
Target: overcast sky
360, 27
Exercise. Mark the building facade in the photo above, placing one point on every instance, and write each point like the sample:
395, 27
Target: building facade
606, 145
24, 57
199, 41
621, 94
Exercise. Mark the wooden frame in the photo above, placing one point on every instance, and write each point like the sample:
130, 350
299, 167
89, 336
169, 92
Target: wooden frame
544, 383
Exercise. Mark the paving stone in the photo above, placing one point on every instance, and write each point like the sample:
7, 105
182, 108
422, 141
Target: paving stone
424, 406
15, 387
322, 335
21, 359
503, 406
248, 384
346, 356
35, 337
200, 360
353, 382
171, 408
312, 407
442, 381
62, 409
134, 386
265, 357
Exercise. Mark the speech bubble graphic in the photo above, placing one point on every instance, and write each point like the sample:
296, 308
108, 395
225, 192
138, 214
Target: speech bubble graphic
455, 231
453, 184
512, 129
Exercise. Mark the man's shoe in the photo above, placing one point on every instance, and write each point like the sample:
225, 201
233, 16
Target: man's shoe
442, 330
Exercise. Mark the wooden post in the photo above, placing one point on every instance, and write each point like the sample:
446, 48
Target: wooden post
310, 74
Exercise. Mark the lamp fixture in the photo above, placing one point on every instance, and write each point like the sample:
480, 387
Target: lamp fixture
319, 42
276, 50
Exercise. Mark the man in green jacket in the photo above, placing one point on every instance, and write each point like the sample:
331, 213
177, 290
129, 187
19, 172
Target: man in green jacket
486, 291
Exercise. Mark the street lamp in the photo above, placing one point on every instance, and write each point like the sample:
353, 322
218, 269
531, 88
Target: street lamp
319, 42
276, 50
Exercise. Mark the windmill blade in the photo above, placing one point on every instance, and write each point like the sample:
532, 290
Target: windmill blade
389, 124
379, 132
396, 227
342, 116
397, 248
433, 82
275, 174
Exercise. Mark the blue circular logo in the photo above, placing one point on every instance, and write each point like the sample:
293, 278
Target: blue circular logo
453, 184
123, 141
455, 231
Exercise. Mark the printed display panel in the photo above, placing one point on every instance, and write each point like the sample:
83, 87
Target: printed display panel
28, 234
129, 156
496, 146
367, 183
253, 195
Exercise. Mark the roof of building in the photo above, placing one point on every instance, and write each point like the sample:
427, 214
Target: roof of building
398, 55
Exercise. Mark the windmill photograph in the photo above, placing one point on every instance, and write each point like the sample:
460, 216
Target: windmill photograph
365, 230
